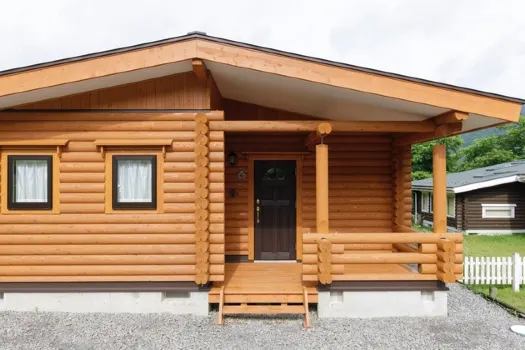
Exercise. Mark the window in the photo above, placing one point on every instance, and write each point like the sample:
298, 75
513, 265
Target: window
498, 211
274, 174
134, 182
426, 202
451, 205
30, 182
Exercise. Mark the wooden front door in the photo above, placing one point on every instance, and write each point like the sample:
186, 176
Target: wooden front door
274, 209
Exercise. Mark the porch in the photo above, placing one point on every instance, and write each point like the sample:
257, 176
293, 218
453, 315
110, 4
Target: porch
283, 282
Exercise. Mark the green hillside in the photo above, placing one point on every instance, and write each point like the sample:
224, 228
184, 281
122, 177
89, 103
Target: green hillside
474, 150
469, 138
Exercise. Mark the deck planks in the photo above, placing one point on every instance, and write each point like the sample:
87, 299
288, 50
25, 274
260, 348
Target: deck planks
260, 282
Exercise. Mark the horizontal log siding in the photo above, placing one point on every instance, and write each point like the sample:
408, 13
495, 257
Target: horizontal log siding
82, 243
360, 196
178, 91
513, 193
453, 222
237, 206
460, 211
402, 182
360, 185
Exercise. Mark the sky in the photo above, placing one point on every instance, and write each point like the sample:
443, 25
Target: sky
472, 43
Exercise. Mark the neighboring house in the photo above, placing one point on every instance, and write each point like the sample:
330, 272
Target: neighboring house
488, 200
196, 170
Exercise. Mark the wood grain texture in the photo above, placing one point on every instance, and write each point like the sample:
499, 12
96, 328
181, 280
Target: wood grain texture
360, 193
178, 91
85, 240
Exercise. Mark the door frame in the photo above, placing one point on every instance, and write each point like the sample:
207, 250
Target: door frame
298, 157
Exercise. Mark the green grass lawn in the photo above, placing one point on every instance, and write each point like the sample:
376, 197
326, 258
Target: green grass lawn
505, 294
503, 245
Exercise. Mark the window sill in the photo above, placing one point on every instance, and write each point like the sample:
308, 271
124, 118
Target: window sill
134, 211
29, 212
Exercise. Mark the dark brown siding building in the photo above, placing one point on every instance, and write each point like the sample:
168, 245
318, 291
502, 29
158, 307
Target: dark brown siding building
488, 200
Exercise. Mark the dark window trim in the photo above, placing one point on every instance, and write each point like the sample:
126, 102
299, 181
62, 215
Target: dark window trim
13, 205
134, 205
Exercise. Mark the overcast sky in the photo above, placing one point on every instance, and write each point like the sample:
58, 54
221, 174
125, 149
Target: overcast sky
473, 43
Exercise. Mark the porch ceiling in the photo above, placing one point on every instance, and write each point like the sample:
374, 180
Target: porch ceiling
314, 99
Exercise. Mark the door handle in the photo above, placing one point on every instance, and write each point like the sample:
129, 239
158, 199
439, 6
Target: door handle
258, 210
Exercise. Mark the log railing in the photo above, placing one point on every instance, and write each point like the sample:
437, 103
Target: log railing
332, 257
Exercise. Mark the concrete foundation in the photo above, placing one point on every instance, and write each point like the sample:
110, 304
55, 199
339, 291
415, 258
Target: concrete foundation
369, 304
192, 303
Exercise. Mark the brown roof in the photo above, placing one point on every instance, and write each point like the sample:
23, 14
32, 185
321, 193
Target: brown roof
204, 36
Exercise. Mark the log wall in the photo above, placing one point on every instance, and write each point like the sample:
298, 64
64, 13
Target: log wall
360, 191
402, 182
84, 242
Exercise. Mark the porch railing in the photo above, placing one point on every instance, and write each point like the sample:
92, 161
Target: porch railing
334, 257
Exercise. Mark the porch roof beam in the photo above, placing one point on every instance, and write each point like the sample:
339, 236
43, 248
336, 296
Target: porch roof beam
311, 126
314, 137
199, 69
441, 131
450, 117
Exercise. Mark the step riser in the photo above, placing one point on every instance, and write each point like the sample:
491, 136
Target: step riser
263, 309
263, 299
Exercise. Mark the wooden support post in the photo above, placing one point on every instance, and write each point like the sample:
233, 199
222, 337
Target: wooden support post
439, 173
324, 261
220, 316
306, 311
446, 255
202, 224
321, 185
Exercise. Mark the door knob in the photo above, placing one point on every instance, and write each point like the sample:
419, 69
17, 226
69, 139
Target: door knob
257, 210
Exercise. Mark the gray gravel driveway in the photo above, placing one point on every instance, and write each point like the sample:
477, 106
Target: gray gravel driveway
473, 324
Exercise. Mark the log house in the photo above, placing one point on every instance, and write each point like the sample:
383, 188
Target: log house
198, 170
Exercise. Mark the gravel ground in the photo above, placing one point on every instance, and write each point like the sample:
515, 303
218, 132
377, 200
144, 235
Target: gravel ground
473, 324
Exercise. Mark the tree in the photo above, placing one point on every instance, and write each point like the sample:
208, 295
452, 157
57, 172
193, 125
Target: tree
514, 140
496, 149
483, 152
422, 155
420, 175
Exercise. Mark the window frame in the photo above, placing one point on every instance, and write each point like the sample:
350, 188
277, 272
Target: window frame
11, 203
488, 206
427, 201
115, 204
453, 196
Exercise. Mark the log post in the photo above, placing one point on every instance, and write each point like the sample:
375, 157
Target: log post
321, 187
439, 173
324, 261
202, 224
446, 256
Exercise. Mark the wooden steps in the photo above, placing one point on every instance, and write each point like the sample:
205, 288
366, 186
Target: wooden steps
265, 304
263, 289
245, 309
261, 298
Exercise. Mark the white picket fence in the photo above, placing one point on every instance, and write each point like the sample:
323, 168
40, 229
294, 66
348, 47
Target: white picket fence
495, 270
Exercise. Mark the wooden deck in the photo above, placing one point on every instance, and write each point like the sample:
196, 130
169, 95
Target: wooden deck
282, 282
263, 282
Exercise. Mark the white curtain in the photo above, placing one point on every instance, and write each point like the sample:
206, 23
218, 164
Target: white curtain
31, 181
134, 181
